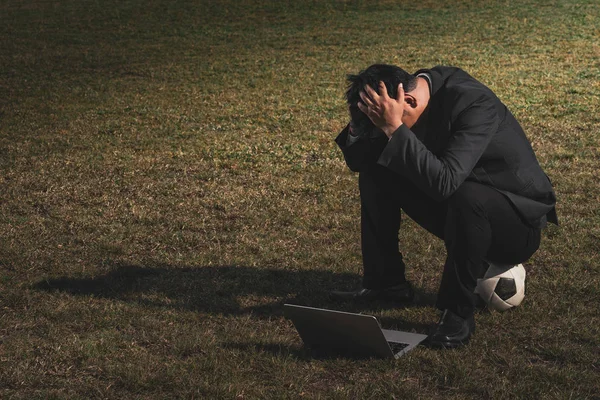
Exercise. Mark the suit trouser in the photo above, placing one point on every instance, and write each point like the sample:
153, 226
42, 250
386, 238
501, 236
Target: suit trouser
476, 222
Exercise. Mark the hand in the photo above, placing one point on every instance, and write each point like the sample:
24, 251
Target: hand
384, 111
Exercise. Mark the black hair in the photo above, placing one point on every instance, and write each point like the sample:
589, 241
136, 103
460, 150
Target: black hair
390, 75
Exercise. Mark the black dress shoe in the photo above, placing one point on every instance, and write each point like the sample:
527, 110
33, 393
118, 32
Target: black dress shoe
451, 331
402, 293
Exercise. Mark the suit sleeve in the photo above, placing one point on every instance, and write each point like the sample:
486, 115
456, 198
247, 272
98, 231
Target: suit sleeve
359, 151
440, 176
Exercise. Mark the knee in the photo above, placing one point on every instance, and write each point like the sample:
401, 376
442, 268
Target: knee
375, 178
468, 196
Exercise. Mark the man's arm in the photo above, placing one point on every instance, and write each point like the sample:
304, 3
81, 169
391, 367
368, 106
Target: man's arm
439, 176
359, 150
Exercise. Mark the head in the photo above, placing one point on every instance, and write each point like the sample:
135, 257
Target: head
391, 76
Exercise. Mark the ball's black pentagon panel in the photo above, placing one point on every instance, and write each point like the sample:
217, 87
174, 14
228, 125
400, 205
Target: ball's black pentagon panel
506, 288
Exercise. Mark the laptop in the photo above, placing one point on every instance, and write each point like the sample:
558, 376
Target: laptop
329, 332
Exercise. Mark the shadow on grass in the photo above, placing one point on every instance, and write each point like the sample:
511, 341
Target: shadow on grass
227, 290
274, 349
296, 352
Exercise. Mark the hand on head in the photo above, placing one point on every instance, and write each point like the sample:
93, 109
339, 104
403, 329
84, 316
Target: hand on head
384, 111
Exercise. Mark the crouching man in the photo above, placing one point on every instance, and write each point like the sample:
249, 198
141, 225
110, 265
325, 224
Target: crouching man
440, 146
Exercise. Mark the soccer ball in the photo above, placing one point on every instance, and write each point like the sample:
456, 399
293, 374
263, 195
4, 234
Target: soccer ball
502, 286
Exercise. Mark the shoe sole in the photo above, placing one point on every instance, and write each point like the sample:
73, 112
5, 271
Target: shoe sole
447, 345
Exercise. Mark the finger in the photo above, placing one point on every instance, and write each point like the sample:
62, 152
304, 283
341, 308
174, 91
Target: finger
400, 96
366, 99
372, 93
383, 91
363, 108
369, 112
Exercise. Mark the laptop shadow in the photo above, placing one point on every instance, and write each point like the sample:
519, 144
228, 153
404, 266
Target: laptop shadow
300, 353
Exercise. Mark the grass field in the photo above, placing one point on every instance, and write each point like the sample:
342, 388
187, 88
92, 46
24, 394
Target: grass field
168, 179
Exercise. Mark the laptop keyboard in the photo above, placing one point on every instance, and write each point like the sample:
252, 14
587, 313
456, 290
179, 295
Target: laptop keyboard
397, 347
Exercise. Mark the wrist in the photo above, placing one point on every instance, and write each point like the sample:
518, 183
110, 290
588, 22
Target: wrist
390, 129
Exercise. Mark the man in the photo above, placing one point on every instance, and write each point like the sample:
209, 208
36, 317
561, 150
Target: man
440, 146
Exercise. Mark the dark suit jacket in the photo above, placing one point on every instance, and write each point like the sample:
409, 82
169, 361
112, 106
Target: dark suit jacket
465, 133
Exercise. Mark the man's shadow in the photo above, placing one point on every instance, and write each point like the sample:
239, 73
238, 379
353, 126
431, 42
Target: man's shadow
228, 290
219, 289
